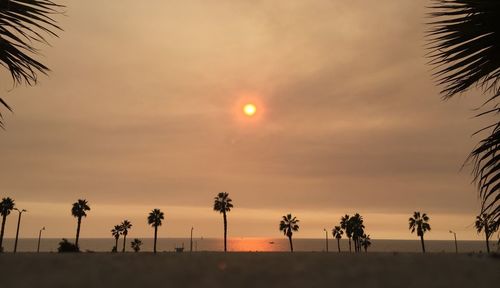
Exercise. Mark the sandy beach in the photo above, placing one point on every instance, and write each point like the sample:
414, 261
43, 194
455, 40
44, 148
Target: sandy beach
213, 269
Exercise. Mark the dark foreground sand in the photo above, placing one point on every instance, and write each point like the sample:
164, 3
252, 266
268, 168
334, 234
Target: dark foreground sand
213, 269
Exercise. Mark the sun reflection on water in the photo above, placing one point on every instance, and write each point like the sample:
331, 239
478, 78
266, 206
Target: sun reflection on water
255, 244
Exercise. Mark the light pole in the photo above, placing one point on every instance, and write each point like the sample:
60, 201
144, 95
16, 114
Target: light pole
326, 238
18, 224
191, 243
456, 246
39, 238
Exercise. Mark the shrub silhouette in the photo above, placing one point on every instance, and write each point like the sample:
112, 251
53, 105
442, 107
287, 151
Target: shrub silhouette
66, 246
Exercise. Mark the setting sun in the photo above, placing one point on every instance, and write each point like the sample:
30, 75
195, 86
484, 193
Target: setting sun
249, 109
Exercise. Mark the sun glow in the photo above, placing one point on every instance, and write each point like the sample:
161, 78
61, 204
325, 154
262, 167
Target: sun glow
249, 109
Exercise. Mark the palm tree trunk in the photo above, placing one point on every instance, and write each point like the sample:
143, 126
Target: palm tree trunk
366, 249
116, 244
487, 241
422, 241
156, 235
124, 240
350, 245
4, 219
78, 231
291, 243
338, 244
225, 230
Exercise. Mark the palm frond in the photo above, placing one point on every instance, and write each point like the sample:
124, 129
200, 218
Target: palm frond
222, 202
464, 43
6, 206
79, 208
486, 170
155, 217
23, 23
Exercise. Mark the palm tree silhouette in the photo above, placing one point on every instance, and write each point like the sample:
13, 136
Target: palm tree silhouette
126, 225
79, 210
288, 225
365, 241
23, 23
222, 204
464, 46
136, 245
154, 219
346, 225
116, 231
484, 224
420, 223
337, 233
6, 206
357, 227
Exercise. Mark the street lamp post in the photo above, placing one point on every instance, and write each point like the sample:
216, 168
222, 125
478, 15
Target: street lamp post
39, 238
18, 224
326, 239
456, 246
191, 243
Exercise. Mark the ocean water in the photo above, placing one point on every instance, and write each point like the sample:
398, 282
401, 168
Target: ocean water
252, 244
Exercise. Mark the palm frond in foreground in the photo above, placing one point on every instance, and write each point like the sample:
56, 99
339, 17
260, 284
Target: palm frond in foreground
23, 23
464, 41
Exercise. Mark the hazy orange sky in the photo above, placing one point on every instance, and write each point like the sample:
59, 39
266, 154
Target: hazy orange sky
142, 111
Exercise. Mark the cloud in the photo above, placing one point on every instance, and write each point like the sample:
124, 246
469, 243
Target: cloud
139, 109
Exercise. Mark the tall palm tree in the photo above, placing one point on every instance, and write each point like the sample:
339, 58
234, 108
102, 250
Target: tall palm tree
126, 225
419, 222
6, 206
155, 218
337, 233
79, 210
222, 204
22, 24
289, 225
357, 227
365, 242
346, 225
465, 48
484, 224
116, 231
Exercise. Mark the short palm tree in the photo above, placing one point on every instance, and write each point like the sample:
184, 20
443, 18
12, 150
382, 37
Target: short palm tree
465, 49
155, 218
289, 225
337, 233
222, 204
79, 210
136, 245
22, 24
484, 224
125, 226
346, 225
419, 223
116, 232
6, 206
365, 242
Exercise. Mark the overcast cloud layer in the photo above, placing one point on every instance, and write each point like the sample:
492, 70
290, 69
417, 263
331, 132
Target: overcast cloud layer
141, 111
